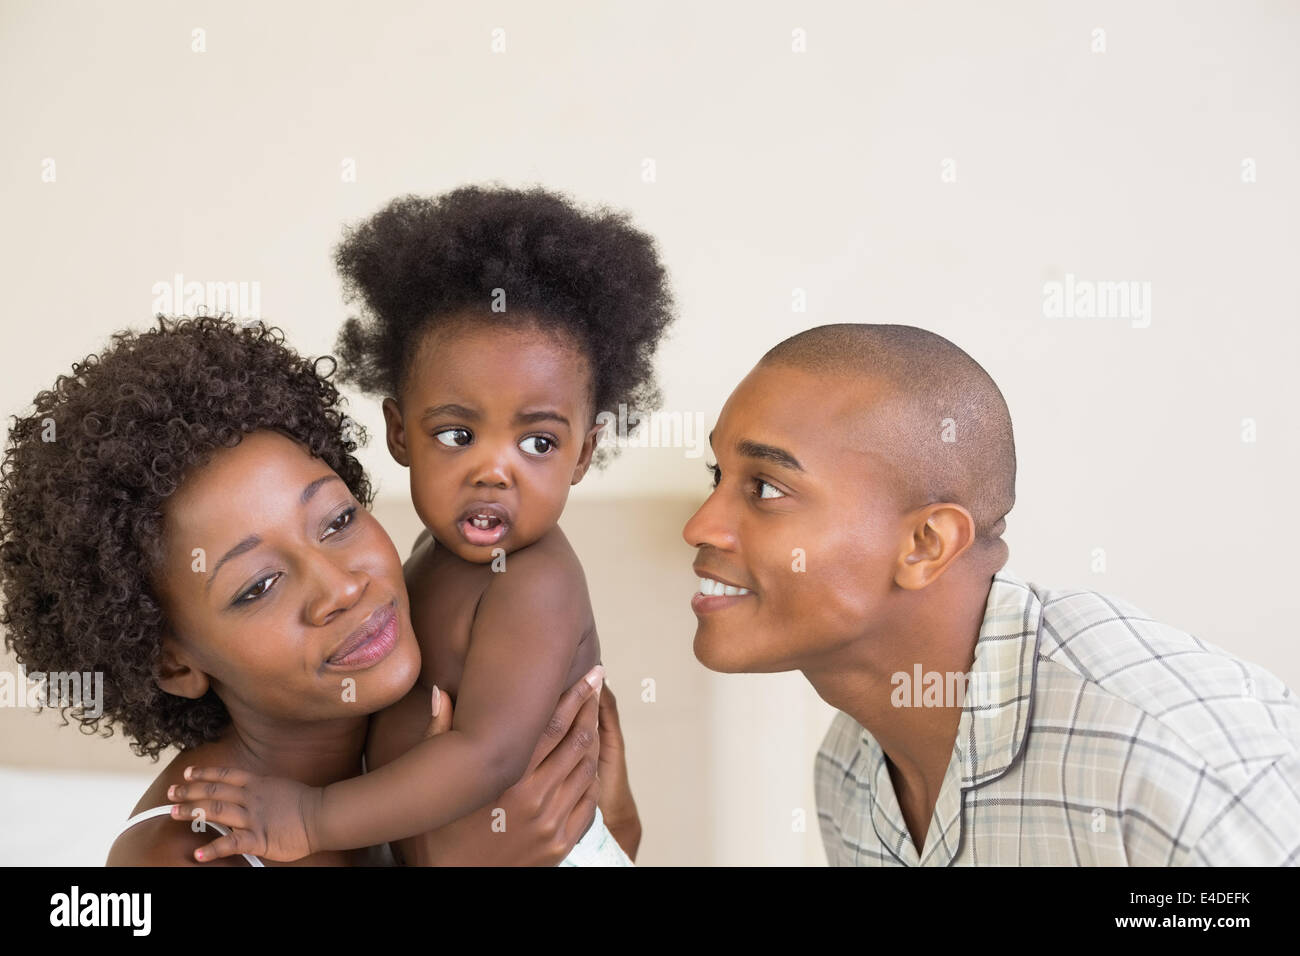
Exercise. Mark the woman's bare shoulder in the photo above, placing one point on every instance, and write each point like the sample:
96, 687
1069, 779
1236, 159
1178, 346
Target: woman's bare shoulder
161, 840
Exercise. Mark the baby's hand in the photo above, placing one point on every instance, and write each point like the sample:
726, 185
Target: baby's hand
267, 816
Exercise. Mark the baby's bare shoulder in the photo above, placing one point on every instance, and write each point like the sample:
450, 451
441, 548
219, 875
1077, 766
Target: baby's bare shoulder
548, 562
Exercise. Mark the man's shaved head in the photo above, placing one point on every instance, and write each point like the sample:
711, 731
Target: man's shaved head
942, 421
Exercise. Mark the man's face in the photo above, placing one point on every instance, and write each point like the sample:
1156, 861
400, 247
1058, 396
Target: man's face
805, 516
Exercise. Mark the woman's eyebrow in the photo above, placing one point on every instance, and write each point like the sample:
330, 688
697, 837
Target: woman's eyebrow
252, 541
248, 544
311, 489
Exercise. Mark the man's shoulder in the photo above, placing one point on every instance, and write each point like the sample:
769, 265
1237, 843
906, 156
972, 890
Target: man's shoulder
1104, 653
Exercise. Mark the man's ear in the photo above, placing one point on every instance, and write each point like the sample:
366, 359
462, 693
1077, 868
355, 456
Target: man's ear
588, 449
177, 674
936, 536
395, 432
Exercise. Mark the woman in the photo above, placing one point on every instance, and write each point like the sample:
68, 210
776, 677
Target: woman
184, 514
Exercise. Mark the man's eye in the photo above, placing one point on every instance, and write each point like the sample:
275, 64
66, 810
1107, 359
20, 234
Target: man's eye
342, 521
257, 590
716, 472
453, 437
764, 488
541, 445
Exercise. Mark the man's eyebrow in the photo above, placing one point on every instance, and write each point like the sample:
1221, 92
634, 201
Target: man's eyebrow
248, 544
545, 415
778, 456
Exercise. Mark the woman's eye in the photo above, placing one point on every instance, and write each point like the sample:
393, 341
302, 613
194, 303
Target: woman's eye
541, 445
764, 488
257, 590
454, 437
716, 472
342, 521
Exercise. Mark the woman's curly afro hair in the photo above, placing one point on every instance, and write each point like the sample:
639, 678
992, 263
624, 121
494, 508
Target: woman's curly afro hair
420, 262
83, 482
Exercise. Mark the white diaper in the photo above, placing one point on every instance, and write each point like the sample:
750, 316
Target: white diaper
597, 847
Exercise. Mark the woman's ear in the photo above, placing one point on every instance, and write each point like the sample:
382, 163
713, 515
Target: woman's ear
588, 449
395, 432
177, 674
937, 536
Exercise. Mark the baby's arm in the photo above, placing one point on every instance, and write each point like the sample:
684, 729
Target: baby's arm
526, 630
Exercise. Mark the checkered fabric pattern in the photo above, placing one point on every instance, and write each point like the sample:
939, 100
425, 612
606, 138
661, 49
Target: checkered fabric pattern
1098, 737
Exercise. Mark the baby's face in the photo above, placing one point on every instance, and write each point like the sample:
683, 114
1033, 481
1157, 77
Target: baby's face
495, 424
805, 518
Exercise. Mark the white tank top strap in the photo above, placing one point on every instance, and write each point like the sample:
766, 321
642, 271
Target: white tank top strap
166, 811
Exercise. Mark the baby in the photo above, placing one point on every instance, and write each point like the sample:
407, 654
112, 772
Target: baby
498, 323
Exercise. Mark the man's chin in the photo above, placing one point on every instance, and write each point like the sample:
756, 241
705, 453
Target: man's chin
724, 657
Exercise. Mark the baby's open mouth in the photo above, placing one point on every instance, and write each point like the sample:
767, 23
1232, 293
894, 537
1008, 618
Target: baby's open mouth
483, 524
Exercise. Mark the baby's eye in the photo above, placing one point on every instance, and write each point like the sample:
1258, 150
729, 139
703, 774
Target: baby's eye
540, 445
454, 437
764, 488
715, 471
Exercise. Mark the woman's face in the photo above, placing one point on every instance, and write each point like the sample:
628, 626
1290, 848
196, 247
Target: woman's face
281, 591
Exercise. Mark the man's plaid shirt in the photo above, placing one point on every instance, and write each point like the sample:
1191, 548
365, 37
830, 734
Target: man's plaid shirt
1091, 736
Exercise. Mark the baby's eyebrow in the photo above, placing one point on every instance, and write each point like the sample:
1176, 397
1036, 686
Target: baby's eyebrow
545, 415
458, 411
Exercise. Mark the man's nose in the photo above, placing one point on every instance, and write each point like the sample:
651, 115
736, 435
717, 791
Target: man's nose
712, 525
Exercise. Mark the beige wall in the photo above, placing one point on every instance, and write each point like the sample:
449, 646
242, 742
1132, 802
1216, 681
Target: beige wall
822, 171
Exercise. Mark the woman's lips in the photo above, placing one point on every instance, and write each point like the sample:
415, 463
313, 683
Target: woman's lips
374, 647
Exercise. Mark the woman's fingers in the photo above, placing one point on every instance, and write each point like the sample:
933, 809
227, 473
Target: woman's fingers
440, 708
581, 779
562, 720
583, 815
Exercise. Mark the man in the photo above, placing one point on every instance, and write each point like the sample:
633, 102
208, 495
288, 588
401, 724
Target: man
863, 477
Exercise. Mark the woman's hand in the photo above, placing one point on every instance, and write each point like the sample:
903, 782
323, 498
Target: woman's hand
544, 813
616, 803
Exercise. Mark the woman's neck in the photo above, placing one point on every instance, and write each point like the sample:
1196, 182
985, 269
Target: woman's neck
316, 753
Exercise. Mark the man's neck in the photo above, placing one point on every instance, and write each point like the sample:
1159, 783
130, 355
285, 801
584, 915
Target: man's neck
933, 631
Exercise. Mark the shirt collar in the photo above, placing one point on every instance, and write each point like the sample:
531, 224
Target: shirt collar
992, 731
995, 719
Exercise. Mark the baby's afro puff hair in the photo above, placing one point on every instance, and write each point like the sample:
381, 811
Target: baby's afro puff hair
421, 261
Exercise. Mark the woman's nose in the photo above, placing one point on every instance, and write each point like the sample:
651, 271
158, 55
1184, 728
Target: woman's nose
336, 586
